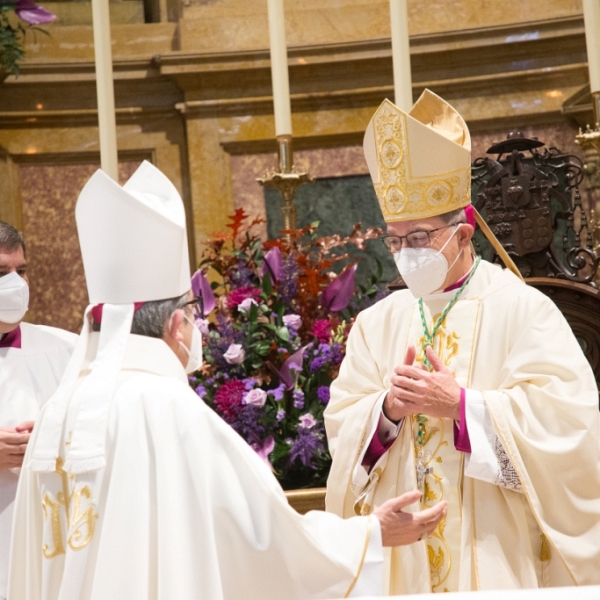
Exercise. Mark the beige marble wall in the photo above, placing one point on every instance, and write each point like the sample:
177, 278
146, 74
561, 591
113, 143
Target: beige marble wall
227, 25
58, 294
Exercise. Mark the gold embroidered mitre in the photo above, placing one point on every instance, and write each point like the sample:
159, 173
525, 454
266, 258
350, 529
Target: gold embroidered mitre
420, 161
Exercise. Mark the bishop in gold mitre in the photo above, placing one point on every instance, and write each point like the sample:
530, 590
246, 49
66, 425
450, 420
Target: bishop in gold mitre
469, 386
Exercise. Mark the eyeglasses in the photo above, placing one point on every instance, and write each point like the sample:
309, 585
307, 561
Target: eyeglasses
196, 306
415, 239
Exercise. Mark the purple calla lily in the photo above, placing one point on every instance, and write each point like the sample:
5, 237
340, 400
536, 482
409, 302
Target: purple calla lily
273, 263
337, 295
201, 289
293, 363
30, 12
264, 448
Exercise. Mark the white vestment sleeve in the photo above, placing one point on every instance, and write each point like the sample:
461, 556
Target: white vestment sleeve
370, 578
488, 460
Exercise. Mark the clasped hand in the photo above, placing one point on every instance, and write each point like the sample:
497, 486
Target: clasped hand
415, 389
13, 443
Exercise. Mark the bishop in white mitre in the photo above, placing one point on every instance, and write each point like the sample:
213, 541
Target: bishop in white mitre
132, 487
468, 385
32, 361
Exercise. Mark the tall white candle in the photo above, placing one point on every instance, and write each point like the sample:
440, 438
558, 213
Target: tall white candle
591, 15
279, 69
401, 55
104, 88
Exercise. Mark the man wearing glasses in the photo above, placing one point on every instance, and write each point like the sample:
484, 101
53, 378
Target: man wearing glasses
468, 386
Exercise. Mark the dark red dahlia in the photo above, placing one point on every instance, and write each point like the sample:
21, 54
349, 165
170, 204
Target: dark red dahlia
322, 330
228, 399
236, 297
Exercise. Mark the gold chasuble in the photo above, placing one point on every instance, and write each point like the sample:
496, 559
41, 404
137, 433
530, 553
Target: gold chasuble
510, 343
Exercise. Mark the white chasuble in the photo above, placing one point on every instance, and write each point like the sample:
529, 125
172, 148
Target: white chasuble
514, 352
184, 509
29, 375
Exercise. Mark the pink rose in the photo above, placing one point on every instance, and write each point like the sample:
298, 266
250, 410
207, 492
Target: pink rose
235, 354
256, 397
202, 325
292, 321
247, 304
307, 421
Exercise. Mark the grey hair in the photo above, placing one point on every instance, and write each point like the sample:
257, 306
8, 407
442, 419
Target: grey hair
150, 319
11, 239
454, 217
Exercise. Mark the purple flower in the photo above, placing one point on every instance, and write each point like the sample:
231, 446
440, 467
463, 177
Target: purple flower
273, 264
248, 423
264, 448
317, 363
280, 416
200, 390
256, 397
323, 394
288, 372
325, 351
235, 354
292, 321
202, 290
32, 13
336, 353
278, 392
298, 396
337, 295
241, 276
288, 287
307, 446
249, 383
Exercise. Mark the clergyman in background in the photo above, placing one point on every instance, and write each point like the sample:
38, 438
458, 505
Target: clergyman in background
32, 361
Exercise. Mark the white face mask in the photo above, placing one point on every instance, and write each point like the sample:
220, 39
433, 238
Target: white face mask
14, 298
195, 352
424, 269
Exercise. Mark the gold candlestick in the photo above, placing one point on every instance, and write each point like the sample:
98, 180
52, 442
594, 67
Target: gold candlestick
287, 180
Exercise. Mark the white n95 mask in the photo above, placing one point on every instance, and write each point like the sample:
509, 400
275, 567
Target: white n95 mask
14, 298
195, 352
424, 269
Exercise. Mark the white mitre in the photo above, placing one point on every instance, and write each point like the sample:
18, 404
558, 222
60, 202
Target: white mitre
134, 248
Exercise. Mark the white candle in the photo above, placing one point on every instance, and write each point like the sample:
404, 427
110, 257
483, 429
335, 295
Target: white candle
591, 14
279, 69
105, 93
401, 55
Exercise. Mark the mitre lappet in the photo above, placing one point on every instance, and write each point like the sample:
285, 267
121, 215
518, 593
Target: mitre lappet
420, 164
130, 238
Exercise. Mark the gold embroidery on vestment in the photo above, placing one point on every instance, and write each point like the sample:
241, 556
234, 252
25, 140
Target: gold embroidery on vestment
446, 346
79, 510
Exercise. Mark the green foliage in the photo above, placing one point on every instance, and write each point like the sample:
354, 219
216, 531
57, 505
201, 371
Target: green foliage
12, 36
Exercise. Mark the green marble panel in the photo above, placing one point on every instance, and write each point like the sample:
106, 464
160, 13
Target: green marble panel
338, 203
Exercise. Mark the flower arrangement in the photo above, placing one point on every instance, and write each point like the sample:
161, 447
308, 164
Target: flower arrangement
13, 13
275, 322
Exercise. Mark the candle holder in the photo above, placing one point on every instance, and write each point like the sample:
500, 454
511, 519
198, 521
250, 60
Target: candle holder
589, 142
287, 180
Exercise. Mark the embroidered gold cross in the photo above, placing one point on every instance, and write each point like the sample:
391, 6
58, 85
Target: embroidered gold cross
79, 511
